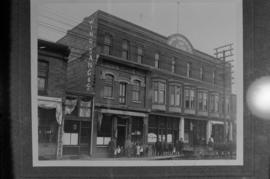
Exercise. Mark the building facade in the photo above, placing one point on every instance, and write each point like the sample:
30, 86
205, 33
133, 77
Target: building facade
146, 89
51, 83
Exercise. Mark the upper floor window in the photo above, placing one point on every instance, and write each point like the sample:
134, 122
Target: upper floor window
189, 70
107, 44
202, 101
43, 69
214, 77
156, 60
189, 98
108, 86
122, 92
201, 73
159, 92
139, 55
227, 102
214, 103
125, 49
173, 65
175, 95
136, 91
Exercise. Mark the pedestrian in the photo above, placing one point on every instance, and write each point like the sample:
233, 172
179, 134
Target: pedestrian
141, 150
137, 150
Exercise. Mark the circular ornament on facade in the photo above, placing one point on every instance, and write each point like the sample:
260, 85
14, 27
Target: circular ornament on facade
180, 42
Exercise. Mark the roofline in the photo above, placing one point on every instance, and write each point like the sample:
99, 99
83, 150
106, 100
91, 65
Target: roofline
53, 47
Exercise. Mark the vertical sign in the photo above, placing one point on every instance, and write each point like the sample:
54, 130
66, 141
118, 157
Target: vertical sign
90, 60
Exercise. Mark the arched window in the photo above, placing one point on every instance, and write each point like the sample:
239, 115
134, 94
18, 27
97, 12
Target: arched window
108, 85
136, 91
107, 44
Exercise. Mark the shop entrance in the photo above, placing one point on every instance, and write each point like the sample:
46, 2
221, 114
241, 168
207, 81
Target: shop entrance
47, 133
121, 132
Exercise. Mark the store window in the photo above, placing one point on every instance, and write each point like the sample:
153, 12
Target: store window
104, 131
139, 55
78, 106
136, 130
202, 101
108, 85
43, 69
136, 91
159, 92
175, 95
107, 44
157, 60
152, 130
122, 92
189, 98
125, 49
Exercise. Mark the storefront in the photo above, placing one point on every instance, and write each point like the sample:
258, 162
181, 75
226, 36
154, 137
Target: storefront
76, 139
195, 132
123, 129
49, 127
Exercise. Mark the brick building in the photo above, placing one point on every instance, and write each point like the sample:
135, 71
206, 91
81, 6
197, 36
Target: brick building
146, 88
52, 65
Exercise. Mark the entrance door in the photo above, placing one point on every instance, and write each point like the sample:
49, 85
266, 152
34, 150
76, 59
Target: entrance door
121, 132
121, 135
47, 133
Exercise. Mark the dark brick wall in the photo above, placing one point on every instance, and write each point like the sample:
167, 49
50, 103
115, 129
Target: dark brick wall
56, 73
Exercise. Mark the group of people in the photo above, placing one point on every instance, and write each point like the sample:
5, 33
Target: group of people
129, 150
161, 148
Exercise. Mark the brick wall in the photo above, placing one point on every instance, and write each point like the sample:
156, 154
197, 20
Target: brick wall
56, 74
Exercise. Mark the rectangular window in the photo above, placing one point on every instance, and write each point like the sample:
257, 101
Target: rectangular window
161, 97
159, 92
202, 101
175, 95
216, 103
122, 92
85, 107
155, 87
189, 98
140, 55
201, 73
107, 44
136, 91
104, 132
125, 49
108, 85
173, 65
189, 70
43, 69
157, 60
212, 103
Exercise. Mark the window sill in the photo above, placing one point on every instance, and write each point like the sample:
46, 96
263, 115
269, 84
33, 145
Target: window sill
103, 146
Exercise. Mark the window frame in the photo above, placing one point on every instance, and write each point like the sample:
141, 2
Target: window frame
157, 89
136, 89
125, 49
107, 44
109, 84
45, 77
173, 88
122, 95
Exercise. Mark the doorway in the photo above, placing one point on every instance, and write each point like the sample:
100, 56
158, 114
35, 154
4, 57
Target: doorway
121, 132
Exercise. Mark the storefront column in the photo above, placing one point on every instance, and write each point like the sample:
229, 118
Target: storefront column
231, 131
208, 131
129, 128
182, 128
114, 131
145, 130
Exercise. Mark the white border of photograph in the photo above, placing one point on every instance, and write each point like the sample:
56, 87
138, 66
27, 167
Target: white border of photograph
139, 163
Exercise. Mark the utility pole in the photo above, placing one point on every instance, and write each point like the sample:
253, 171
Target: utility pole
178, 14
223, 53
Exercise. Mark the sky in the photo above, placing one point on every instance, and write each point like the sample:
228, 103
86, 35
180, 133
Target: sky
206, 23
